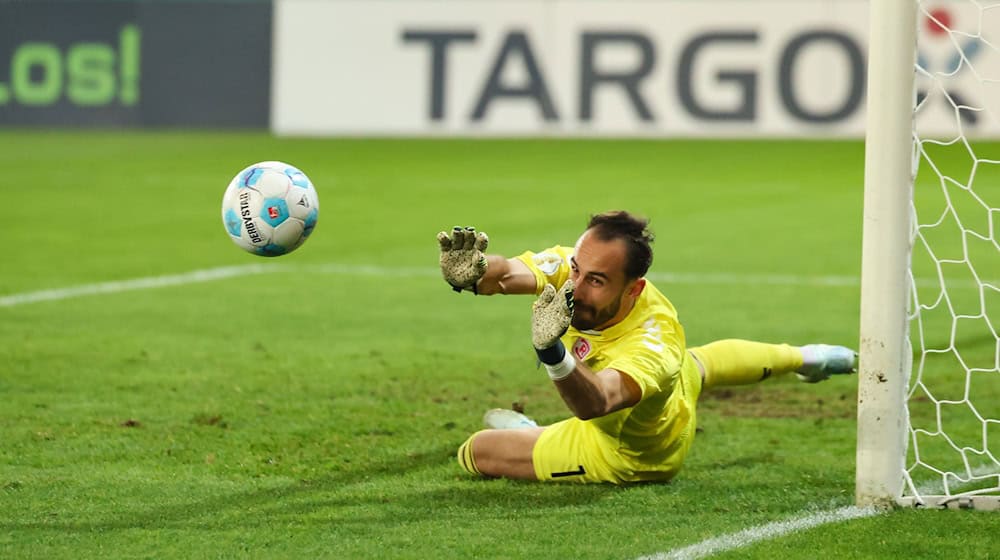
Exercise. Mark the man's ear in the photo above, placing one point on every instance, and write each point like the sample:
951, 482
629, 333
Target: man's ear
637, 287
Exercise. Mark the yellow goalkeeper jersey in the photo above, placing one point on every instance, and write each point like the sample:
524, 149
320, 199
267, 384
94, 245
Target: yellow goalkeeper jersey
649, 347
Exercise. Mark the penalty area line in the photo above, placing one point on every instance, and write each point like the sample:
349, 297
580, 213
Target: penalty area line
220, 273
193, 277
753, 535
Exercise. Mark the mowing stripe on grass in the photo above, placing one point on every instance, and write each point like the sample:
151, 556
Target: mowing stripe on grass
752, 535
209, 274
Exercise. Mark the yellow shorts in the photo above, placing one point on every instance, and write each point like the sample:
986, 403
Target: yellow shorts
576, 451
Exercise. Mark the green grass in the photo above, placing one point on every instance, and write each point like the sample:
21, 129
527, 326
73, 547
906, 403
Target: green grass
314, 412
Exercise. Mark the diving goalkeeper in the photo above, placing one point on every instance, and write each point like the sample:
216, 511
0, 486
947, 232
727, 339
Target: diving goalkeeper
615, 351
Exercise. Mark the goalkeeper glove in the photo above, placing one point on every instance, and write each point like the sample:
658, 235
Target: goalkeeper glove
550, 318
462, 260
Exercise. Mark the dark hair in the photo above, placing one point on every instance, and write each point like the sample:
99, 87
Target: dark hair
619, 224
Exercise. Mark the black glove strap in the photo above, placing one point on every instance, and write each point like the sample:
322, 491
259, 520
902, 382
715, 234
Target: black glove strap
553, 354
474, 290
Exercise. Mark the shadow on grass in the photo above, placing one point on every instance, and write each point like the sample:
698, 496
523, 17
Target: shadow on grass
379, 492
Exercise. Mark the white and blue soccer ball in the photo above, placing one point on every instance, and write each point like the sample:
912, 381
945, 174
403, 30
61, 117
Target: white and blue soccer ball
270, 208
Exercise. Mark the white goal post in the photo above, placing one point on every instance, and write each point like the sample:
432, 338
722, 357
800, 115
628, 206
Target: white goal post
884, 349
929, 366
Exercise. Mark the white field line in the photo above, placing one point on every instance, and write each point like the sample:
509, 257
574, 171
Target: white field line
220, 273
752, 535
667, 278
146, 283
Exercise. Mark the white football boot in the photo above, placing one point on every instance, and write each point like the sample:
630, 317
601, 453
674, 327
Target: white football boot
820, 361
506, 419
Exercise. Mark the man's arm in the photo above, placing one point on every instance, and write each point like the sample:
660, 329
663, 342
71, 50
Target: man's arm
465, 266
592, 395
506, 276
586, 393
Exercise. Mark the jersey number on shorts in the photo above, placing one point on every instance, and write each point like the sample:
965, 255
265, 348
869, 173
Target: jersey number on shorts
577, 472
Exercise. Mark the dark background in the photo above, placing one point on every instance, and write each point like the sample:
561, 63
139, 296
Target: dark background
202, 64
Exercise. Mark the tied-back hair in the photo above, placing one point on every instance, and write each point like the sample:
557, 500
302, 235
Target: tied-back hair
633, 230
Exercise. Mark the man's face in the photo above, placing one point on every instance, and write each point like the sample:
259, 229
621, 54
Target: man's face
602, 296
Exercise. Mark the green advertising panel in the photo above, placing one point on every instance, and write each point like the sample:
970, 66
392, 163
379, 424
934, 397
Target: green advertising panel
93, 63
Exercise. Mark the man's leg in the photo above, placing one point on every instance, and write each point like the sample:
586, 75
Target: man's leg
568, 451
741, 362
501, 453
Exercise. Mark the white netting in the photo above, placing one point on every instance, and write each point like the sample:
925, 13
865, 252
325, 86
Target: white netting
954, 389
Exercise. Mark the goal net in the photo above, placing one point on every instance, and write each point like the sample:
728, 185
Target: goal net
935, 396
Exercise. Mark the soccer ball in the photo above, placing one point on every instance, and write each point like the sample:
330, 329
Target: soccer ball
270, 208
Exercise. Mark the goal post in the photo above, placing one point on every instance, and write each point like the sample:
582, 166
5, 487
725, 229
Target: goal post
929, 351
889, 170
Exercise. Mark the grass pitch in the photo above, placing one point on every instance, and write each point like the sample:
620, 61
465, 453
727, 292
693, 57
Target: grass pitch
310, 406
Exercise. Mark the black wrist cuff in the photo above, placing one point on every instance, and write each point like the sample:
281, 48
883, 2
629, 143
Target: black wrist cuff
473, 288
553, 354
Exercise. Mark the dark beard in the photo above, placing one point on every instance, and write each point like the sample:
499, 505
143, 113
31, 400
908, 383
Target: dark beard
600, 316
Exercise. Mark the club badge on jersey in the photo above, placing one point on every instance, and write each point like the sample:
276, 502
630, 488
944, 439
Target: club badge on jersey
581, 348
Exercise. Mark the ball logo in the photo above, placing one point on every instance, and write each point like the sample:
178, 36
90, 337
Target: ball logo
273, 212
581, 348
248, 222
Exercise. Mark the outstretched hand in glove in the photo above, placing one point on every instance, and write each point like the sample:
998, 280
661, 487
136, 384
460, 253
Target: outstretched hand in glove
551, 315
462, 260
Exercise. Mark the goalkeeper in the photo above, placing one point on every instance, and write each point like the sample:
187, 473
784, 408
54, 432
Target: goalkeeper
615, 351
